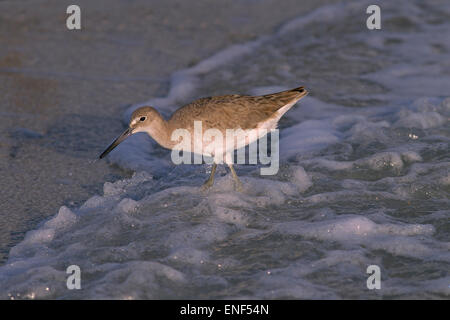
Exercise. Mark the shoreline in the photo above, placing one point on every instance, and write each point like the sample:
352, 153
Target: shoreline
67, 79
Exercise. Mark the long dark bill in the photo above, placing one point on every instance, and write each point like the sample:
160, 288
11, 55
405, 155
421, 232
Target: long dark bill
116, 142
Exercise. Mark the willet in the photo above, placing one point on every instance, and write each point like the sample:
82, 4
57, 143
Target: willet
249, 113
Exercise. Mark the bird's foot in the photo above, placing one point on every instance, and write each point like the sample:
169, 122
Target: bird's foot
207, 185
238, 186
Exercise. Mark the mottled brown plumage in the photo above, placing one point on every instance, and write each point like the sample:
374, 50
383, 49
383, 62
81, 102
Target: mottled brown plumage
233, 111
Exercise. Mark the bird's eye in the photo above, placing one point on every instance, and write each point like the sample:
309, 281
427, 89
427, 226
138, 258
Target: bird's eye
143, 118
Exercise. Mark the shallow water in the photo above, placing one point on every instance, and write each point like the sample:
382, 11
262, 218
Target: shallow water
364, 178
63, 92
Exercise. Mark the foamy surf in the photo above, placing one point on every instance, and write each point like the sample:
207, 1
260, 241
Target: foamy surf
364, 180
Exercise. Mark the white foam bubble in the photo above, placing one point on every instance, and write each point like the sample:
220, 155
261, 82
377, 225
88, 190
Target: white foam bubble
64, 218
229, 215
308, 136
94, 202
121, 186
301, 179
382, 161
128, 205
411, 156
40, 236
190, 256
397, 239
423, 120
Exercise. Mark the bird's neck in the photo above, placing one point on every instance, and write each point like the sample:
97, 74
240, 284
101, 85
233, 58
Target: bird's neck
159, 131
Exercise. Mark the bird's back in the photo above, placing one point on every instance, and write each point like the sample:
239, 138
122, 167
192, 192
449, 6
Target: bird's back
235, 111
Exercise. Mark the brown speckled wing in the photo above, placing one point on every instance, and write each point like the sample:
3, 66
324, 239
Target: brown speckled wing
233, 111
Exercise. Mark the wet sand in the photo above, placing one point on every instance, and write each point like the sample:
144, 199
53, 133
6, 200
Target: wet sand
63, 92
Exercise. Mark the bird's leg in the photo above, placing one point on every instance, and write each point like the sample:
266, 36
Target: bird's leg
237, 182
208, 183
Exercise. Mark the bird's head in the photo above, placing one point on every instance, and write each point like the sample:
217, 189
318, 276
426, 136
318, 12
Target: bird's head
140, 121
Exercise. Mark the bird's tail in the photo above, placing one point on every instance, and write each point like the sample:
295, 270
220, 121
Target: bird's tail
289, 96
